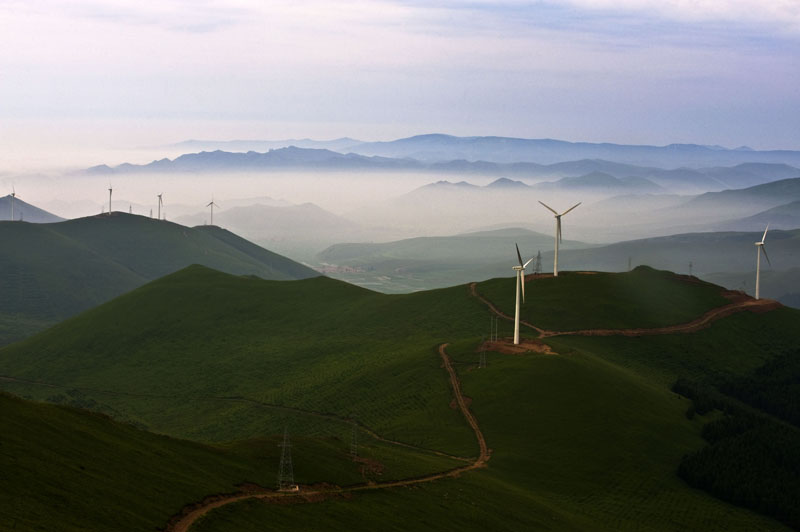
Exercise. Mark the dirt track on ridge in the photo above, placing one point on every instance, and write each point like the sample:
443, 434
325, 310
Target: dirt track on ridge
740, 304
191, 513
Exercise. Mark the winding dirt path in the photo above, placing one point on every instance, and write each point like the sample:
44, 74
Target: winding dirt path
749, 304
183, 521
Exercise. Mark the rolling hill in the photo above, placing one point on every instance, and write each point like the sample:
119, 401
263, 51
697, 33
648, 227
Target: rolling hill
66, 469
434, 262
748, 200
52, 271
298, 231
25, 212
708, 252
786, 216
589, 437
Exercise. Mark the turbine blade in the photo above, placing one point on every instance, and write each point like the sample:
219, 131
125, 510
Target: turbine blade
558, 228
565, 212
765, 254
519, 257
526, 264
549, 208
765, 234
522, 281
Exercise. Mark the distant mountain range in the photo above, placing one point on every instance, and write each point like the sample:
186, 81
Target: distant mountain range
438, 148
52, 271
453, 150
341, 144
283, 158
743, 173
25, 212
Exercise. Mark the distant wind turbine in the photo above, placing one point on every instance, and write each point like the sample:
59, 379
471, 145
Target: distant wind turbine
520, 281
109, 199
558, 232
759, 250
160, 203
13, 195
212, 205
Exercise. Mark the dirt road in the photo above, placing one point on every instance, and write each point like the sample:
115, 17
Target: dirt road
742, 304
193, 512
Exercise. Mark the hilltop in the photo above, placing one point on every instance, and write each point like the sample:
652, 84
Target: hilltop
589, 436
25, 212
52, 271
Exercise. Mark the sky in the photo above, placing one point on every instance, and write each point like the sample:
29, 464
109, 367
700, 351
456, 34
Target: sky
84, 82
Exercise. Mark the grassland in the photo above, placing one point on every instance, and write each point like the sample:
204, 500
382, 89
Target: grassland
641, 298
589, 439
52, 271
62, 468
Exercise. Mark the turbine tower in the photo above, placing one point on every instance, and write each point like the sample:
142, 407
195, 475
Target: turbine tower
558, 232
109, 199
520, 281
160, 202
212, 205
759, 250
13, 195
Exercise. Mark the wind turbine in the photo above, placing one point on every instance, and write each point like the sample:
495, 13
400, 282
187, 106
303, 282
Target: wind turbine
109, 198
212, 205
13, 195
520, 281
558, 232
761, 249
160, 202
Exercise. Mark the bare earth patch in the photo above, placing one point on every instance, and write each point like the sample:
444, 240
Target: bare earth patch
527, 345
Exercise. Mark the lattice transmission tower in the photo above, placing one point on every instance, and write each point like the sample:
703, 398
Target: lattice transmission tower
286, 471
354, 439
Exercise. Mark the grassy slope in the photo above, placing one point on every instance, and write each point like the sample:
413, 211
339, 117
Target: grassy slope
65, 470
584, 440
572, 301
578, 444
51, 271
318, 344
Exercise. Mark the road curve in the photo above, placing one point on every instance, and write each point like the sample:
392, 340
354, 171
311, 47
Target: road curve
183, 521
754, 305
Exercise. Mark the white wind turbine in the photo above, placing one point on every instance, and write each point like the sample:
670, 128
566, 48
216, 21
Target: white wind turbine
109, 199
13, 195
520, 281
558, 232
160, 203
212, 205
759, 250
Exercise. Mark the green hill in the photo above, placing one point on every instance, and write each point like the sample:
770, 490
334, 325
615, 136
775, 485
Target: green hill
434, 262
587, 439
641, 298
51, 271
24, 211
64, 469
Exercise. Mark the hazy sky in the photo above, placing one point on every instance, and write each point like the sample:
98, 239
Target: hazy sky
102, 75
